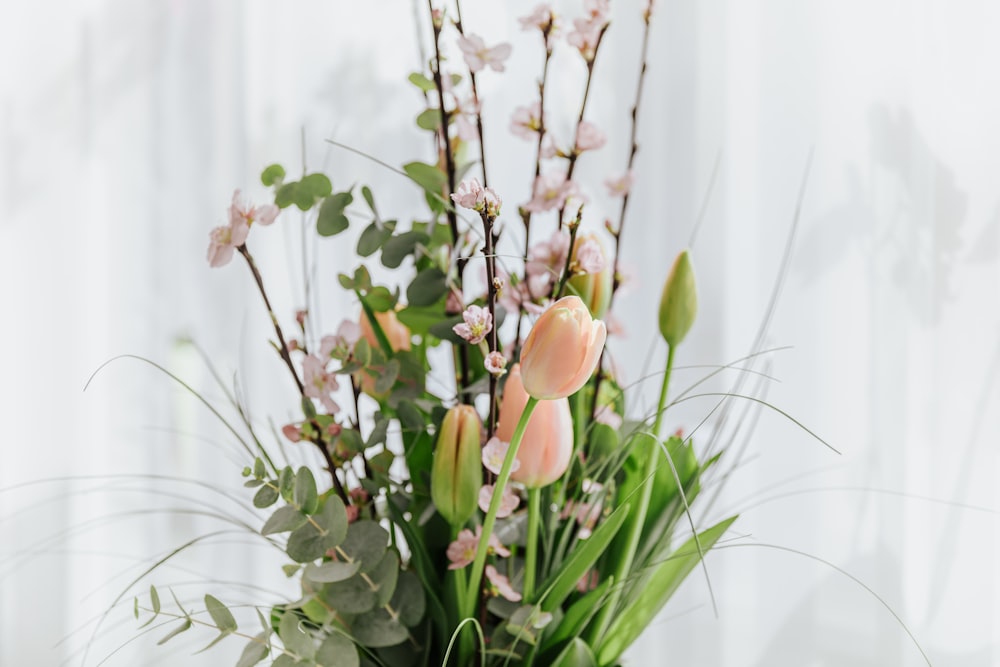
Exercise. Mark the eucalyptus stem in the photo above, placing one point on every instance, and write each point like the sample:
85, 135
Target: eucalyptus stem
479, 564
531, 553
606, 614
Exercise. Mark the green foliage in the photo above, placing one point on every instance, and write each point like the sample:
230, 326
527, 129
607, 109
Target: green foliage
303, 193
332, 218
272, 175
428, 287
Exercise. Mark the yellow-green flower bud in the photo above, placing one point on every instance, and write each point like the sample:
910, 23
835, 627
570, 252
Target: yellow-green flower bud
593, 288
456, 475
679, 303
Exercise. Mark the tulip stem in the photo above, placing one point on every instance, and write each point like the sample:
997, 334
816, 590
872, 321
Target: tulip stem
604, 617
475, 577
531, 553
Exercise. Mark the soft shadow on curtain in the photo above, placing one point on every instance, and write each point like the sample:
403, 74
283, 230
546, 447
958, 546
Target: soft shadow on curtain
125, 126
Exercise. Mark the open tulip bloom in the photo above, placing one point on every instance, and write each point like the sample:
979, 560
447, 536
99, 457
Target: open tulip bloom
486, 495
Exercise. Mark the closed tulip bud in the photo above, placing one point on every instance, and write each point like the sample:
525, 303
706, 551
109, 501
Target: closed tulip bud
456, 475
562, 350
679, 303
547, 445
594, 287
396, 333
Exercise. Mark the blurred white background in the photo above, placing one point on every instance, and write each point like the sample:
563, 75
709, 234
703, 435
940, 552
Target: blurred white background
125, 126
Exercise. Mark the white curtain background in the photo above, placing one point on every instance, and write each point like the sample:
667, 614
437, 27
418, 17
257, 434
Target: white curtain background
125, 126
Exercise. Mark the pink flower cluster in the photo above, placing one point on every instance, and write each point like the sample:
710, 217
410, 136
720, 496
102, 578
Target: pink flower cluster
478, 56
478, 322
472, 195
587, 31
225, 239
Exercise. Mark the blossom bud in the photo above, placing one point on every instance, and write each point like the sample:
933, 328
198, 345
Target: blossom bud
562, 350
456, 475
679, 303
594, 289
547, 445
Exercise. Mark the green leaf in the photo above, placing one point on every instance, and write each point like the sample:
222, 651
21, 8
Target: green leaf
308, 543
350, 596
381, 299
419, 320
579, 614
409, 599
655, 589
396, 248
183, 627
427, 288
351, 439
427, 176
294, 638
285, 196
154, 599
284, 519
258, 468
372, 238
331, 219
421, 82
378, 628
220, 614
410, 417
305, 491
563, 582
254, 652
576, 654
337, 651
285, 660
444, 329
286, 483
366, 192
366, 542
265, 497
317, 185
387, 377
385, 575
429, 119
331, 571
272, 175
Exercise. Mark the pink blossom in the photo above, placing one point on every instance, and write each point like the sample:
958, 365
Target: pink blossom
589, 137
494, 453
589, 256
495, 363
549, 192
342, 342
526, 121
462, 551
491, 202
318, 383
622, 185
242, 210
547, 259
508, 501
469, 194
548, 149
606, 415
224, 240
499, 585
292, 431
478, 323
614, 326
597, 10
540, 18
467, 131
587, 31
478, 57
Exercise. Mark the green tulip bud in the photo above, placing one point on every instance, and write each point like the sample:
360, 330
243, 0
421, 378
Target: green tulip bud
456, 475
679, 303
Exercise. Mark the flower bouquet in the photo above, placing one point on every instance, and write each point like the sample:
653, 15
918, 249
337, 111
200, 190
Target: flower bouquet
516, 516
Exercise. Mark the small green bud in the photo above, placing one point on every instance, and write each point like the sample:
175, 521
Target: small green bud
679, 303
456, 475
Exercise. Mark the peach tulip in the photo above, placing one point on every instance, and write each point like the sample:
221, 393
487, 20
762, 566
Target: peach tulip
562, 350
547, 445
399, 339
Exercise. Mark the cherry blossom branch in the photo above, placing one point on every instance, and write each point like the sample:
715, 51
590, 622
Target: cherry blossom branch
475, 98
316, 438
436, 23
489, 252
526, 214
575, 154
617, 232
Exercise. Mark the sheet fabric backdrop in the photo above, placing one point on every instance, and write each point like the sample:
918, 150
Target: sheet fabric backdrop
125, 127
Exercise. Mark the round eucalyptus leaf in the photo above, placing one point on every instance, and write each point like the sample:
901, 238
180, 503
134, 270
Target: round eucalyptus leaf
331, 571
408, 599
294, 637
305, 491
366, 542
337, 651
378, 628
284, 519
350, 596
265, 497
385, 575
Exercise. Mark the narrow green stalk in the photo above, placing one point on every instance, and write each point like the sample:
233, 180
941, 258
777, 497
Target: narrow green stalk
479, 564
600, 624
531, 553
